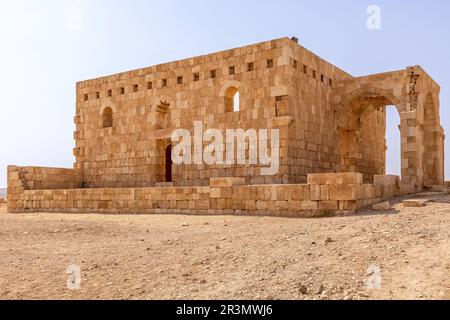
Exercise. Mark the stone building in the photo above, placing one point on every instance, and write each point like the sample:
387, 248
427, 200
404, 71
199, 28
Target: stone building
331, 125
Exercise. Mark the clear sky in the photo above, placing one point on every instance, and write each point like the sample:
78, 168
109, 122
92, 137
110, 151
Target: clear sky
45, 49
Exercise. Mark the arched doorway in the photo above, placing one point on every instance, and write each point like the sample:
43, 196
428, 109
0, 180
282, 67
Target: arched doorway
168, 164
361, 126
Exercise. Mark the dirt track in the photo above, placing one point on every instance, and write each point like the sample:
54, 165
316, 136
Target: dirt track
192, 257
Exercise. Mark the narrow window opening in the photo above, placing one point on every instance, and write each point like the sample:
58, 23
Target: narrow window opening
232, 100
180, 80
122, 90
250, 66
305, 69
149, 85
164, 83
97, 95
232, 70
270, 63
109, 93
314, 74
322, 78
295, 64
107, 118
86, 97
136, 88
212, 74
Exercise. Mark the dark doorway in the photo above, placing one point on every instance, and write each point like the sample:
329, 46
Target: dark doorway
169, 163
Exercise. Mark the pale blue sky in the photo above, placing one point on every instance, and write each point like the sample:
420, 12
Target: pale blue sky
41, 58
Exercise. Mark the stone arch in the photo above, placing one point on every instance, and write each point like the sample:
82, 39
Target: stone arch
230, 93
360, 121
229, 84
107, 115
108, 105
372, 92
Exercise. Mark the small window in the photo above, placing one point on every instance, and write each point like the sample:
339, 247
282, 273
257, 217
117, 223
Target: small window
250, 66
270, 63
232, 100
330, 82
122, 90
322, 78
314, 74
86, 97
109, 93
295, 64
231, 70
149, 85
107, 118
179, 80
97, 95
196, 76
164, 83
136, 88
305, 69
212, 74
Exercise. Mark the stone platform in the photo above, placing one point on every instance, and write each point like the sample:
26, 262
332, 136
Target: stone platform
324, 193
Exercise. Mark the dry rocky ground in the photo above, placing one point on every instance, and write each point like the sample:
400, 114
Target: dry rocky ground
225, 257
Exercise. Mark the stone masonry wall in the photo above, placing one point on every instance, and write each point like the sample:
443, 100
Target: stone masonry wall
275, 79
323, 194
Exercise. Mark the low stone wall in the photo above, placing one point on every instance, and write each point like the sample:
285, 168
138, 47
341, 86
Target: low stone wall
39, 178
325, 193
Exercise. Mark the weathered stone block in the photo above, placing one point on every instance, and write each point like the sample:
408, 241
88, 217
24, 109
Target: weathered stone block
335, 178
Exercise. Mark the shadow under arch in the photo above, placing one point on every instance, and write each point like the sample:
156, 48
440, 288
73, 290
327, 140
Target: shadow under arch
360, 121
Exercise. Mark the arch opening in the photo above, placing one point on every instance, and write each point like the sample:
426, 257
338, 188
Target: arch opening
107, 118
232, 100
369, 136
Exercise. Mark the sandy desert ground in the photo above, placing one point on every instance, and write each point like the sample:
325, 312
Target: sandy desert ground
226, 257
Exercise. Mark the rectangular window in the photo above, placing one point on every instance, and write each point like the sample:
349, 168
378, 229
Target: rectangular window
97, 95
314, 74
109, 93
164, 83
231, 70
149, 85
122, 90
305, 69
136, 88
295, 64
196, 76
330, 82
212, 74
250, 66
322, 78
86, 97
270, 63
180, 80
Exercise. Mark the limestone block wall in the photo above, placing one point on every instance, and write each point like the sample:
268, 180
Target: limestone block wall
21, 179
170, 96
312, 135
275, 79
324, 193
